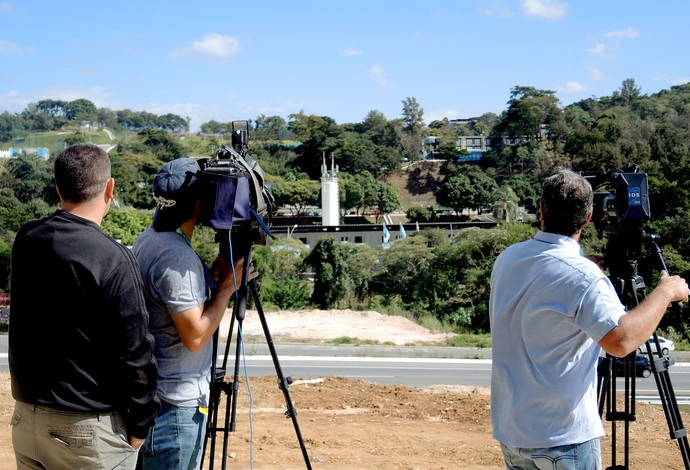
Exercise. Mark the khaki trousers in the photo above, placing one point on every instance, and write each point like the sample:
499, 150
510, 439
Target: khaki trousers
46, 438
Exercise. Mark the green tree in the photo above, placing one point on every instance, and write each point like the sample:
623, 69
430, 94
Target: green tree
506, 206
280, 284
297, 194
215, 127
81, 110
628, 93
350, 193
413, 126
333, 281
270, 128
312, 132
6, 241
126, 225
354, 152
528, 110
134, 173
419, 214
162, 144
387, 198
527, 190
30, 177
457, 193
484, 187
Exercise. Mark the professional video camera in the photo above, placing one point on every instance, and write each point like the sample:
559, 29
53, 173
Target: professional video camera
234, 191
621, 213
235, 200
626, 203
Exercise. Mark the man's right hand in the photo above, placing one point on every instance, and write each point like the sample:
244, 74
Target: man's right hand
675, 286
135, 442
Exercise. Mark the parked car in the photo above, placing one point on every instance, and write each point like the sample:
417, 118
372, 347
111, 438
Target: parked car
666, 346
642, 366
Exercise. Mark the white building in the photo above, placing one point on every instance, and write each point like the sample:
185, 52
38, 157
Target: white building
330, 205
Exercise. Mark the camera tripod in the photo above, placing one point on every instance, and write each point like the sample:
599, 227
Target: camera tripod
220, 387
631, 290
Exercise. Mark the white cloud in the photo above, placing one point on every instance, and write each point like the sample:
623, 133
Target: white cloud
13, 102
598, 49
94, 71
379, 76
596, 73
673, 80
498, 8
573, 87
214, 45
545, 9
627, 33
350, 52
5, 7
8, 47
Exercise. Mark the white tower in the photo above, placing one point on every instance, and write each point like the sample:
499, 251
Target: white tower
330, 207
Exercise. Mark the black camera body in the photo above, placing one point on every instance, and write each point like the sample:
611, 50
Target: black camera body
621, 214
628, 200
626, 203
234, 193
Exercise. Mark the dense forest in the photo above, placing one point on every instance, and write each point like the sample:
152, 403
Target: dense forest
442, 281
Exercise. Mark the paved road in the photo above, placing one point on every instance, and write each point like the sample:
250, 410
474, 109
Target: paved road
393, 365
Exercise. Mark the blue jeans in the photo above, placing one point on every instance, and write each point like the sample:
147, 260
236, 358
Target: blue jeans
176, 440
585, 456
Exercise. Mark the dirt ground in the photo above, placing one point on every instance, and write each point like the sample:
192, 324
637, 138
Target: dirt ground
352, 424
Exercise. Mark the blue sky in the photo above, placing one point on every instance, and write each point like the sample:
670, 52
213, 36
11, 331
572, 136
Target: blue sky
233, 60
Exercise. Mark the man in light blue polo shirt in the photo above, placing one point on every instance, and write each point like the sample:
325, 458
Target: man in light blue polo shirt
551, 311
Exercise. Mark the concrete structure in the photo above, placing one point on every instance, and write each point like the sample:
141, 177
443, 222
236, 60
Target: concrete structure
14, 152
330, 207
367, 234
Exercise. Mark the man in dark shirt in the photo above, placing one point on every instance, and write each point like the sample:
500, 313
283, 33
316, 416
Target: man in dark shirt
81, 357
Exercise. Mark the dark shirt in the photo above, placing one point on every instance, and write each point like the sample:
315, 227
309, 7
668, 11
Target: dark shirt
78, 334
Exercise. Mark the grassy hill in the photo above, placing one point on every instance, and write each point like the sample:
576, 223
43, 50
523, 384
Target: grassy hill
55, 140
417, 183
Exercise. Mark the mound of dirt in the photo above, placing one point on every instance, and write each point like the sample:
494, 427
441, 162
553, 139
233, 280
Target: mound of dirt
325, 325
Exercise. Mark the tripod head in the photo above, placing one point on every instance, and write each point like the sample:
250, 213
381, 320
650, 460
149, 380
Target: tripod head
627, 250
237, 242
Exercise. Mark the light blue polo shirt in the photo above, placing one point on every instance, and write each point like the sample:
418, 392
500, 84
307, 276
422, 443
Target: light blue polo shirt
549, 307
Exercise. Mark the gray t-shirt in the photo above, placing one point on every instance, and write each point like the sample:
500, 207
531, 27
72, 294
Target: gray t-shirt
174, 281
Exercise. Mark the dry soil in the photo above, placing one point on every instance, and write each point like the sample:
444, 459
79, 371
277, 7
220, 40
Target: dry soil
351, 424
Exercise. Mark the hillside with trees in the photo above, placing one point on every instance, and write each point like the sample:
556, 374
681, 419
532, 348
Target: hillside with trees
441, 281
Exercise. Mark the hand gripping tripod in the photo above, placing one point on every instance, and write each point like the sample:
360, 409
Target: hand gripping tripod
219, 386
631, 290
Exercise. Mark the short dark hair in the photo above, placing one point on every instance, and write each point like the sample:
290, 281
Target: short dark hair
566, 201
81, 172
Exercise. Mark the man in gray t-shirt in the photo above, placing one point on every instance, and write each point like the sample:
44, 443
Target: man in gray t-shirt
185, 311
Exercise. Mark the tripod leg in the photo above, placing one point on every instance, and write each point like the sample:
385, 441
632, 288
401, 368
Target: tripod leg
614, 415
668, 401
603, 381
218, 387
283, 381
215, 389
